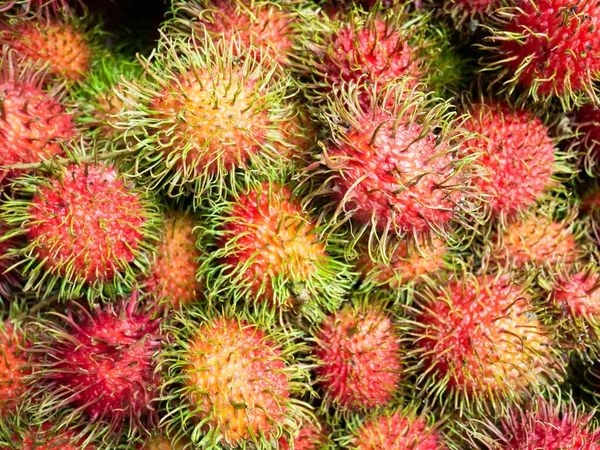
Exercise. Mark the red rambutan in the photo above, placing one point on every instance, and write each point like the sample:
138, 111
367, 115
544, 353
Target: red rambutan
100, 368
86, 228
480, 340
46, 436
312, 436
13, 366
34, 119
515, 150
357, 353
232, 383
549, 47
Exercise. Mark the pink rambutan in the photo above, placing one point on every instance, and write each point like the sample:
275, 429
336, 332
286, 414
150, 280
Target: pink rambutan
100, 367
480, 340
542, 424
357, 353
86, 228
313, 435
395, 430
395, 166
34, 119
516, 153
549, 47
232, 383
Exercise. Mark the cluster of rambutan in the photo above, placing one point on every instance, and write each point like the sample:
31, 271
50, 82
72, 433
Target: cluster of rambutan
301, 225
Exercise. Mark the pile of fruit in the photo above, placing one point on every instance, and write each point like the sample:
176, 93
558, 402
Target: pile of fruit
301, 224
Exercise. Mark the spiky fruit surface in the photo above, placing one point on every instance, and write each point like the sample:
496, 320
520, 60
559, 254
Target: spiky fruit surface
465, 10
410, 261
87, 227
173, 273
515, 150
396, 431
550, 48
13, 367
60, 44
311, 436
205, 114
538, 240
579, 294
260, 28
46, 437
237, 385
480, 339
357, 352
388, 168
587, 121
160, 442
102, 364
34, 120
543, 424
269, 253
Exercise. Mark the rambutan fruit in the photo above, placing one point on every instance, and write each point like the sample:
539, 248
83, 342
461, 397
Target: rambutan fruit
541, 424
231, 383
549, 48
313, 435
478, 343
394, 429
34, 119
86, 230
470, 12
364, 49
410, 261
13, 365
263, 249
262, 29
587, 140
172, 276
516, 153
202, 114
537, 240
396, 167
63, 43
98, 367
158, 441
356, 351
43, 436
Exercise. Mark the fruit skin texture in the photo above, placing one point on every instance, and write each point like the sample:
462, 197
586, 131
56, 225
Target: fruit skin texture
86, 228
357, 355
515, 149
44, 40
311, 436
396, 431
173, 273
237, 384
388, 168
105, 360
587, 122
263, 29
481, 338
34, 119
536, 240
13, 367
43, 437
553, 47
578, 294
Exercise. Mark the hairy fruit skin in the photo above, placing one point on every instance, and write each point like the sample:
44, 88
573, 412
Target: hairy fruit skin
516, 151
236, 382
44, 437
48, 41
357, 356
106, 361
13, 367
482, 339
396, 431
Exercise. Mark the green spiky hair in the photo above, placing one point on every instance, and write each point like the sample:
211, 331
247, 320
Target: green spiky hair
98, 95
381, 200
231, 382
479, 343
261, 250
51, 265
203, 114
